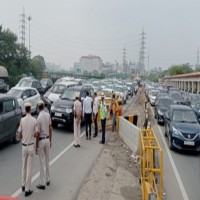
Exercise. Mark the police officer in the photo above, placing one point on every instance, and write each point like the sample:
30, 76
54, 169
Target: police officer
77, 121
27, 132
44, 144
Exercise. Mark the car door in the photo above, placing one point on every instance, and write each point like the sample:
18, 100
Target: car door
10, 117
2, 121
33, 99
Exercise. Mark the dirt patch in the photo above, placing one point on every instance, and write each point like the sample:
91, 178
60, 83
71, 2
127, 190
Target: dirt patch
105, 181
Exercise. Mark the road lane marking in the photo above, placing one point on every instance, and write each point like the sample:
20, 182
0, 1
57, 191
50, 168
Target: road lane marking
19, 191
178, 178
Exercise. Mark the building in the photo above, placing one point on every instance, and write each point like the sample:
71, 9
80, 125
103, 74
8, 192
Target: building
90, 63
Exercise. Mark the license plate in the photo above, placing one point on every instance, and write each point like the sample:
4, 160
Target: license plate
58, 114
189, 143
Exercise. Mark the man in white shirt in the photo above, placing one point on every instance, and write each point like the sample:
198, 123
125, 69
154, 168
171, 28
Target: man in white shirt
87, 112
95, 113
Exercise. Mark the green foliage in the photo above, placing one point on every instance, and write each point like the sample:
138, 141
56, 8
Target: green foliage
16, 58
180, 69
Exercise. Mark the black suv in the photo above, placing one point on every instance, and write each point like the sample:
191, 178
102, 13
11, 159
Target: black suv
62, 109
10, 116
31, 82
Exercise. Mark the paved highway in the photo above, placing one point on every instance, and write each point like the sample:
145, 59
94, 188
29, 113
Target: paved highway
181, 170
68, 167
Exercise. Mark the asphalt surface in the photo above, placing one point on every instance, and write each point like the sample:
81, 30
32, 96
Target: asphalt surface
181, 170
69, 166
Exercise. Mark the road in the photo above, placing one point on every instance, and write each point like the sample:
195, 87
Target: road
69, 166
181, 170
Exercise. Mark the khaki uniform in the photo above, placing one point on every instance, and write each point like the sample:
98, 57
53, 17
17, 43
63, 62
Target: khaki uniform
44, 122
77, 121
28, 127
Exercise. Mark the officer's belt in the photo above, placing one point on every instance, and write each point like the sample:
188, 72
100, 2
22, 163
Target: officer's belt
27, 144
44, 137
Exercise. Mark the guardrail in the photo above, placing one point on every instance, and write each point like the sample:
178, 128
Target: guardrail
151, 165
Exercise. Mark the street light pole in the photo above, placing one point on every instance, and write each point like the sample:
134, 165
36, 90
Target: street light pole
29, 19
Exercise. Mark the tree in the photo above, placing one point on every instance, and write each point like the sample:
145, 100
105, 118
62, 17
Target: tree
180, 69
37, 65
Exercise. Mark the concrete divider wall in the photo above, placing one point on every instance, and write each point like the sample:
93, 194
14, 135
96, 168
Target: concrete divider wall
129, 134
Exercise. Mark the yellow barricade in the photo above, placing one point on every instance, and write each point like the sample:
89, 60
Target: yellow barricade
151, 165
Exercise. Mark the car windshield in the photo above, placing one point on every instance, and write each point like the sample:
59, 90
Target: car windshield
58, 89
25, 83
184, 116
177, 96
119, 89
165, 103
16, 93
70, 94
44, 82
162, 95
154, 93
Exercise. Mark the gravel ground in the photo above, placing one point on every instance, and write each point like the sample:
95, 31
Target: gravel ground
115, 159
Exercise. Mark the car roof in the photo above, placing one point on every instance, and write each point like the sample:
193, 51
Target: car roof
2, 96
166, 97
80, 87
23, 88
180, 107
66, 83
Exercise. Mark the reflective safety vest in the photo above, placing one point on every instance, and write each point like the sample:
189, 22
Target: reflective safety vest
103, 111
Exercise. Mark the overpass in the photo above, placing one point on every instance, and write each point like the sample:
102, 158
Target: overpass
186, 82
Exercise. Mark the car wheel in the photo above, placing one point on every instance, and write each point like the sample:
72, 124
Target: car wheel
54, 124
16, 138
158, 120
170, 142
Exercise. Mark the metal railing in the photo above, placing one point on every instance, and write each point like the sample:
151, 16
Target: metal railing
151, 165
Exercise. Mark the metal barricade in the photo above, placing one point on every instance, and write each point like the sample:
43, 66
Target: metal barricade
151, 165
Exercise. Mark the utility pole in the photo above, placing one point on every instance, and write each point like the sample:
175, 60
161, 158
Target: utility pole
29, 46
22, 27
142, 53
148, 71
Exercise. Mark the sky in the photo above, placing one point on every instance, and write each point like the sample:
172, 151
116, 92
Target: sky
64, 30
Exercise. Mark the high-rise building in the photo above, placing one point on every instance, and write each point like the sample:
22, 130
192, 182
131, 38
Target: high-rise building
90, 63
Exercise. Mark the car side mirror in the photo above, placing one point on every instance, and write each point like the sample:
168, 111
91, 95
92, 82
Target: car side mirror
24, 97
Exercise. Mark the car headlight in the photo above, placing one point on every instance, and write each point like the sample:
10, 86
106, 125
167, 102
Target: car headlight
52, 108
68, 110
159, 112
176, 131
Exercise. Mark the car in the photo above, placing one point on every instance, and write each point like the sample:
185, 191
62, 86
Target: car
47, 83
62, 109
31, 82
182, 128
56, 91
3, 86
10, 116
26, 94
152, 96
120, 92
130, 88
161, 106
178, 98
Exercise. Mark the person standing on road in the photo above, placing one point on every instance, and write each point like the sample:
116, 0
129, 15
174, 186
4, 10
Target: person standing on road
44, 144
103, 115
87, 112
114, 107
95, 113
77, 122
27, 132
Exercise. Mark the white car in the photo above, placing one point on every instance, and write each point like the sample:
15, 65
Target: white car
56, 91
25, 94
121, 92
